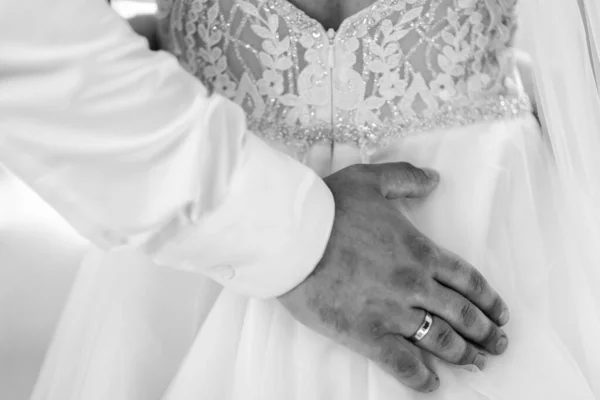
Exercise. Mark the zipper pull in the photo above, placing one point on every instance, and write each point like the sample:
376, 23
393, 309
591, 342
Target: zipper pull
331, 55
331, 35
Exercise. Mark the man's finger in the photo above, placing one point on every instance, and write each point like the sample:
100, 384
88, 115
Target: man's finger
398, 180
466, 319
395, 355
443, 341
457, 274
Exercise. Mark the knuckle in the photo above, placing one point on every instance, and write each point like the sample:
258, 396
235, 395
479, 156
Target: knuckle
404, 365
445, 338
409, 280
422, 249
456, 265
477, 283
468, 314
398, 177
413, 174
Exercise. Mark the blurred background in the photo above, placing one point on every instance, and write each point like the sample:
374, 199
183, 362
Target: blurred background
39, 256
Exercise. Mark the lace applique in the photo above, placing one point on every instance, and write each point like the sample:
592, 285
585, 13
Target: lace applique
396, 68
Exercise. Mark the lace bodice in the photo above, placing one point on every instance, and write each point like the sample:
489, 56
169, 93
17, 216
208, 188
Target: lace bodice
395, 68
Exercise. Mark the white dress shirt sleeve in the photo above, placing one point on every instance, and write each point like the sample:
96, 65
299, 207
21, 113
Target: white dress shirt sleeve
129, 148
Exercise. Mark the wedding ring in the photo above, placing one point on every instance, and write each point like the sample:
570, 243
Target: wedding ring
423, 329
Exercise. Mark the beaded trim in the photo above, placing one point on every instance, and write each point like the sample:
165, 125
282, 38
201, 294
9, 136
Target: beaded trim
449, 116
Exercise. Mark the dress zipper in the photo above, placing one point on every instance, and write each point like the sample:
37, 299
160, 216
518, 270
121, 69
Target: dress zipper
331, 64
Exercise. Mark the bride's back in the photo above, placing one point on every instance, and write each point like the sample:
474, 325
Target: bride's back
392, 67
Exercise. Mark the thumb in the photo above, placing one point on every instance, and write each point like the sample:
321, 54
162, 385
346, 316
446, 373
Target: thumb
402, 179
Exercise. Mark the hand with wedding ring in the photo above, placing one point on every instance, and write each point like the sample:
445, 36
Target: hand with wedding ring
383, 288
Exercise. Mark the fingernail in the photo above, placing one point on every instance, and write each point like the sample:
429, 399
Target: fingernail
431, 174
504, 317
501, 345
480, 361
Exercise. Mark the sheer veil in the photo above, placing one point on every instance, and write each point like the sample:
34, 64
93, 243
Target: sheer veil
563, 39
591, 12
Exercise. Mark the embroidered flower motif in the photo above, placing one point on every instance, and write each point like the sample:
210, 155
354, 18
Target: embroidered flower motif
401, 60
225, 86
477, 83
388, 59
274, 57
391, 86
452, 62
271, 84
443, 87
475, 18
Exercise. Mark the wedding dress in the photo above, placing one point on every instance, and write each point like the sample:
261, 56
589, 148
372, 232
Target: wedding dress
431, 82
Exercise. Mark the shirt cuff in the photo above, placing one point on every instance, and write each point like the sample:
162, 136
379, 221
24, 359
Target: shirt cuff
267, 235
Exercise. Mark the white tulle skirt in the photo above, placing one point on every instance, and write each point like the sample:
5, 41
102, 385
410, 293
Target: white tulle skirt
133, 330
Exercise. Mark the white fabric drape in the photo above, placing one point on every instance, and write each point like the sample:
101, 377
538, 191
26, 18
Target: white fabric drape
563, 39
590, 10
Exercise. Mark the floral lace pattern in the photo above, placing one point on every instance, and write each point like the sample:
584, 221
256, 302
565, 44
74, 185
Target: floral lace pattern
395, 68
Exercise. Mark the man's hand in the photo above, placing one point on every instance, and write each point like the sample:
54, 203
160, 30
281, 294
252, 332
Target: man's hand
379, 275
